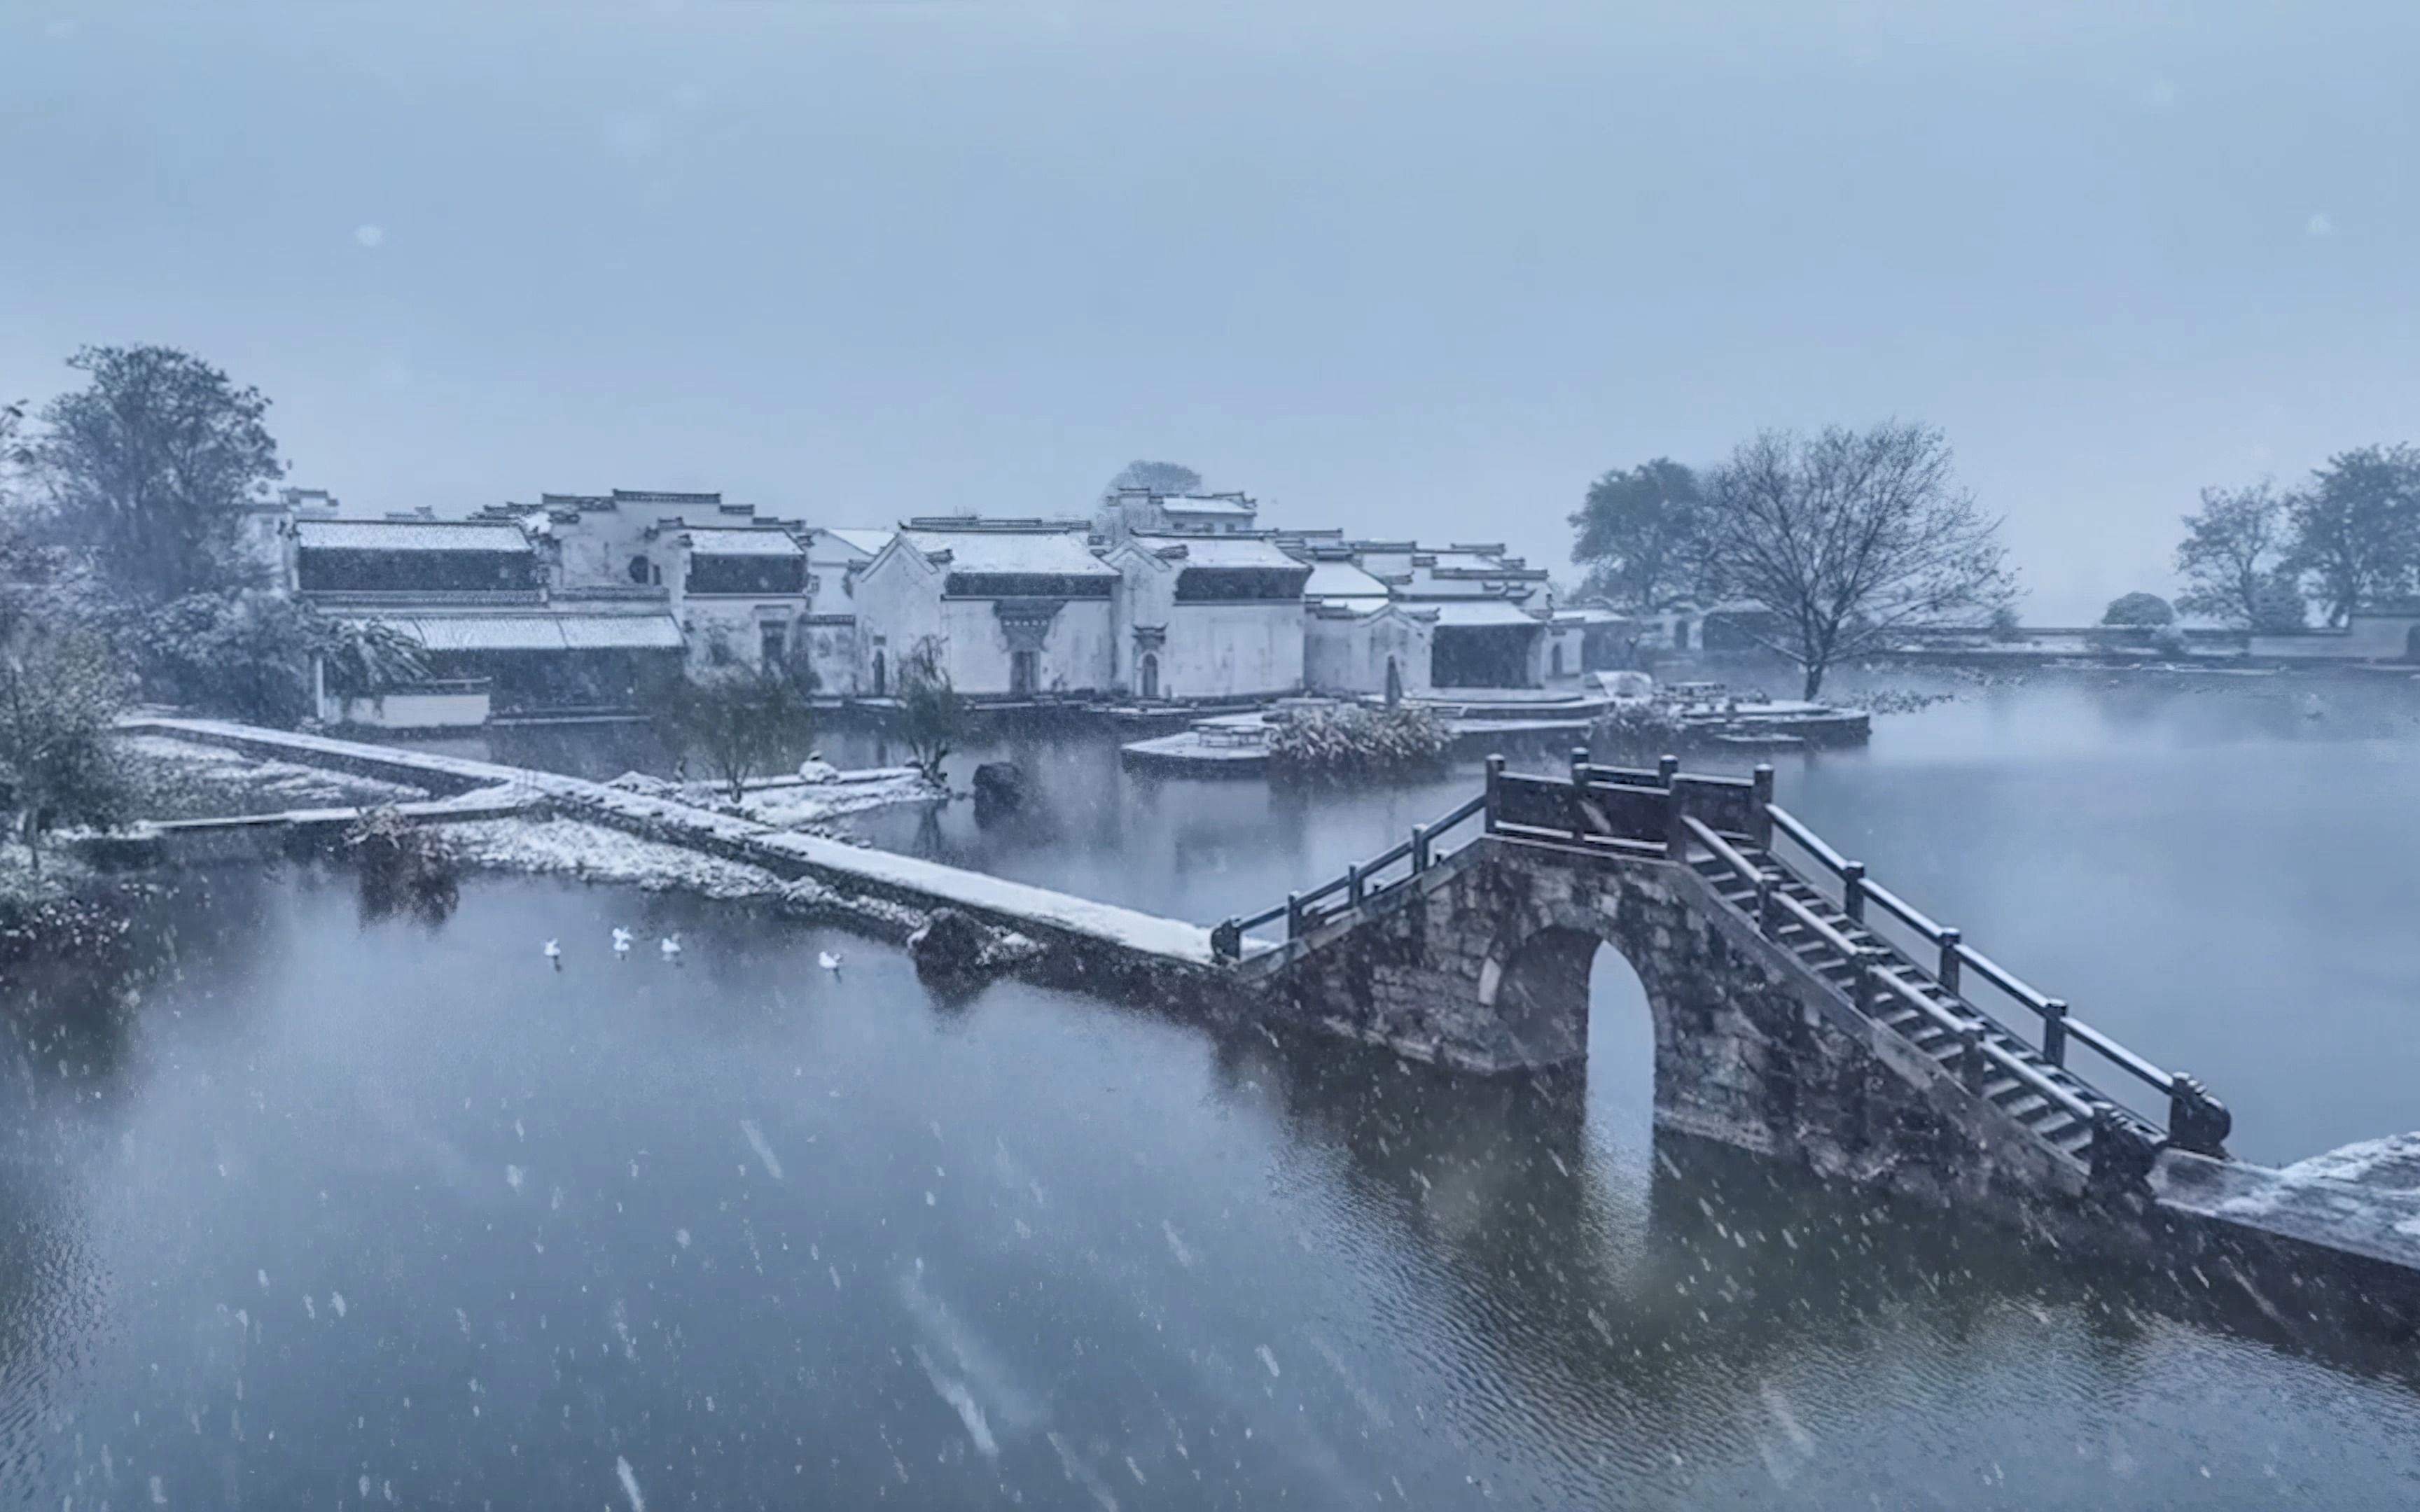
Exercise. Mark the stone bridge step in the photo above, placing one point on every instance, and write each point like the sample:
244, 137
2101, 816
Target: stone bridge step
2046, 1118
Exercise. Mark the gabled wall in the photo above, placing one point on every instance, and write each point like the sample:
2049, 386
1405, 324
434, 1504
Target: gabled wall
1347, 654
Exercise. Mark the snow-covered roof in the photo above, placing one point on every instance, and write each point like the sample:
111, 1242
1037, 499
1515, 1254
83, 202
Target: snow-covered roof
409, 535
1240, 552
1484, 613
1193, 504
734, 543
1010, 552
540, 632
1341, 580
869, 542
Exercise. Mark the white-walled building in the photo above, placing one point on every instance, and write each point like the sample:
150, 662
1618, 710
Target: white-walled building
1016, 608
828, 632
739, 594
474, 596
1208, 617
1140, 511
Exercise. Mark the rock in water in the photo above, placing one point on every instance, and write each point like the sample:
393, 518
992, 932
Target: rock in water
1000, 788
951, 947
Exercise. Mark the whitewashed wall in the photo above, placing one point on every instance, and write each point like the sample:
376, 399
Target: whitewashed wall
832, 656
411, 711
736, 620
1234, 650
1076, 656
1349, 656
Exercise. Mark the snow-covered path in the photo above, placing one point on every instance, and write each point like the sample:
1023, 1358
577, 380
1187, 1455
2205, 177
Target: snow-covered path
1015, 905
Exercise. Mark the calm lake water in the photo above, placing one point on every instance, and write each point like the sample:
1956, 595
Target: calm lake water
313, 1209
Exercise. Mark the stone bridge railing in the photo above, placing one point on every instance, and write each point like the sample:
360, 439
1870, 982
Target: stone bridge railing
1791, 882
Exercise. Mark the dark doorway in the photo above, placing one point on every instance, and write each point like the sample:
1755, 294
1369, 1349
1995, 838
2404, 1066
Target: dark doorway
1150, 675
880, 682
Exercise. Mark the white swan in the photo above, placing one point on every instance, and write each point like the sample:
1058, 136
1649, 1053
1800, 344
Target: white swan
670, 946
621, 940
828, 960
555, 953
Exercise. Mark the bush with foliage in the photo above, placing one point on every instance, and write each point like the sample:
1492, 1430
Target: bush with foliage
402, 863
61, 696
1635, 731
1356, 740
2139, 611
248, 654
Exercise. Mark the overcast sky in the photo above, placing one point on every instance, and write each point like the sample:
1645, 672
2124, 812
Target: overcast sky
1409, 267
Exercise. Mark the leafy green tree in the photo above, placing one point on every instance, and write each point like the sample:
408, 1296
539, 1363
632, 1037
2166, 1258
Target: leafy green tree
2231, 556
1640, 534
2144, 611
932, 715
741, 721
2356, 530
1845, 537
61, 696
147, 466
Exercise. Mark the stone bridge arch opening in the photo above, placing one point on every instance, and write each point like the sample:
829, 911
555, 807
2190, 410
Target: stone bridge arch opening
1568, 994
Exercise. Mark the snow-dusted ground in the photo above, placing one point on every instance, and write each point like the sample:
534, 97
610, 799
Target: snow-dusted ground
572, 847
196, 780
787, 803
855, 873
2388, 1165
2362, 1198
594, 853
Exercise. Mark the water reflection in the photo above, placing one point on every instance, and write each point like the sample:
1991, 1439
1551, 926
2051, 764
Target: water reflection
431, 1212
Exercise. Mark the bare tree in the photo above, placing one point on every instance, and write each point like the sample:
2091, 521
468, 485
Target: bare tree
1846, 536
931, 714
2232, 558
741, 721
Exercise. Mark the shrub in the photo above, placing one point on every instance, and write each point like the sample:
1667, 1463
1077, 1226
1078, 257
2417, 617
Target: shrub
249, 655
1356, 740
401, 862
2139, 611
1635, 731
60, 702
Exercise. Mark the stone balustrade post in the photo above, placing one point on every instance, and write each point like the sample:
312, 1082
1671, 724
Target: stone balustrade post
1971, 1063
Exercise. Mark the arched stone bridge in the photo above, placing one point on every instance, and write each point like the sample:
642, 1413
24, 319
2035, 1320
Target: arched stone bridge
1800, 1008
